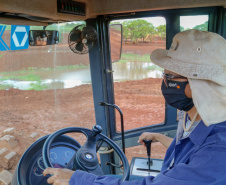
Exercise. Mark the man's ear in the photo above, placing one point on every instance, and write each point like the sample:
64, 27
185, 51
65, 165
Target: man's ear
187, 91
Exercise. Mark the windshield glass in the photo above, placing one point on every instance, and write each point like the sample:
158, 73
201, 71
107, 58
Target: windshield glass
43, 88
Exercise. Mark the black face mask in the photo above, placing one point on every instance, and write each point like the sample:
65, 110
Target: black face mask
174, 95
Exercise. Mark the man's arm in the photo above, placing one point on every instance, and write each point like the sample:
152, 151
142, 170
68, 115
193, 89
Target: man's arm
206, 166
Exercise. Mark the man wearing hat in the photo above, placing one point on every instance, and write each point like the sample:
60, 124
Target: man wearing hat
194, 81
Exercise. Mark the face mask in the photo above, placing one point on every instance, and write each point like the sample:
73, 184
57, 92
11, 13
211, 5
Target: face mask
174, 95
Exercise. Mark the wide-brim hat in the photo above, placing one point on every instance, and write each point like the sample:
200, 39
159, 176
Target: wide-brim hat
201, 57
195, 54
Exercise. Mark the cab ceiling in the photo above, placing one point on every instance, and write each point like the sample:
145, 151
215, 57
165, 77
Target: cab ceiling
44, 12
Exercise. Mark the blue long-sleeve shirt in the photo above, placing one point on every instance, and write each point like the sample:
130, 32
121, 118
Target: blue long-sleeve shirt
199, 159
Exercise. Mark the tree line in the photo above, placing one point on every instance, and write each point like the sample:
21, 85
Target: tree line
141, 30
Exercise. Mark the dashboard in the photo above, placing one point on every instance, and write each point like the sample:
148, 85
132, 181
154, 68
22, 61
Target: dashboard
60, 157
31, 166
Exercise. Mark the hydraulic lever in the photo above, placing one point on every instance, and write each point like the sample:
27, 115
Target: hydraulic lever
149, 163
148, 146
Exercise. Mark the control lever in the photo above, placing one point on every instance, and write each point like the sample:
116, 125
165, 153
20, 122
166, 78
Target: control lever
148, 146
96, 130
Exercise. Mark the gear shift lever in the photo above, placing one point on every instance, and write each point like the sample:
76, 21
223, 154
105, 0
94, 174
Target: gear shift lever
150, 162
148, 146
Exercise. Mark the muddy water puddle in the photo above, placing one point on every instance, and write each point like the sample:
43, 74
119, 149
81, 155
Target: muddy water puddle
68, 78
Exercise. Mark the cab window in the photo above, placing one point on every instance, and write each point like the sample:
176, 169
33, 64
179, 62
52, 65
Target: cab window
44, 88
199, 22
137, 80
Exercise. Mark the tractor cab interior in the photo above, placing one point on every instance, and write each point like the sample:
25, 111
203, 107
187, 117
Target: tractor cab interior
78, 88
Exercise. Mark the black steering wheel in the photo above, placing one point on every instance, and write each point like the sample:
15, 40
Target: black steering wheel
86, 157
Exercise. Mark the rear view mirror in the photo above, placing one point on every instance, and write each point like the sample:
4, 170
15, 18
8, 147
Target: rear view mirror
116, 41
43, 37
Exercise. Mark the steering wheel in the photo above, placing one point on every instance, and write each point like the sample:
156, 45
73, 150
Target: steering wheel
86, 157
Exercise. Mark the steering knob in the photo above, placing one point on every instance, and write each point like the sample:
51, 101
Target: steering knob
96, 130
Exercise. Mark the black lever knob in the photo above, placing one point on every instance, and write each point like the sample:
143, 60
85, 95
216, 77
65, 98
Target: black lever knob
148, 146
96, 130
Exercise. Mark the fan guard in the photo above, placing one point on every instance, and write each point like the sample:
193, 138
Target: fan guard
82, 39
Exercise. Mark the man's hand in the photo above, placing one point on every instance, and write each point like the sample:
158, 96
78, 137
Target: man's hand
59, 176
148, 136
164, 140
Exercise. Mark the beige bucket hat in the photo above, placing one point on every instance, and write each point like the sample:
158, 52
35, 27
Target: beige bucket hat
201, 57
196, 55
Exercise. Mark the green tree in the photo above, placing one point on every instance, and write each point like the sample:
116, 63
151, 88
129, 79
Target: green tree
133, 29
145, 30
181, 28
202, 27
161, 31
126, 31
115, 22
137, 29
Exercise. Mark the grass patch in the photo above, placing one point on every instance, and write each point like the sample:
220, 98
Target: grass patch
5, 86
123, 61
37, 86
28, 77
34, 69
71, 67
130, 57
154, 67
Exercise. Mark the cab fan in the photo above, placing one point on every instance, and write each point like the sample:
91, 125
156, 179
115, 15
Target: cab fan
82, 39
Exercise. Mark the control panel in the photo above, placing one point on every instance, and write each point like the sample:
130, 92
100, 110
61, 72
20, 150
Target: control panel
140, 167
71, 7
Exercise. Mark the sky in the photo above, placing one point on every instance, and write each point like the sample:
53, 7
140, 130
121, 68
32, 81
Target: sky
185, 21
192, 21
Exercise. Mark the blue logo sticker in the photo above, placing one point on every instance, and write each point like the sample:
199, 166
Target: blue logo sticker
19, 37
89, 156
3, 45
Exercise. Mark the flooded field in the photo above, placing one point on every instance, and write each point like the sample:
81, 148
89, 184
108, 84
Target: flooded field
68, 78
